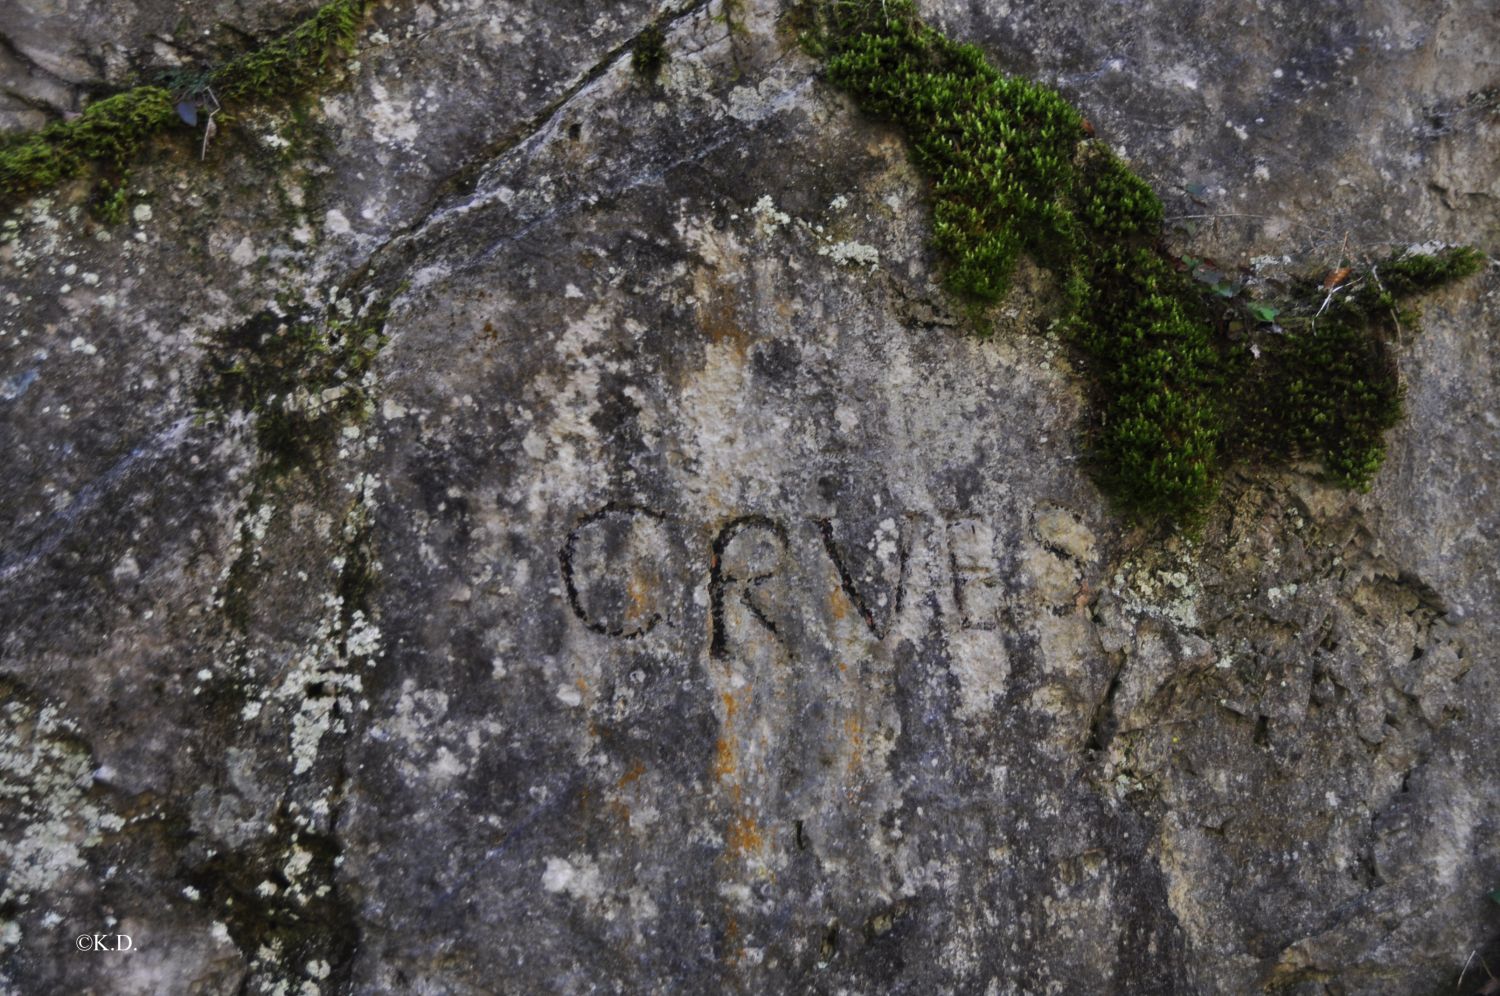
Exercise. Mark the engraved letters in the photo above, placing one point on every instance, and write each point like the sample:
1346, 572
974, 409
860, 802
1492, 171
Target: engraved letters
615, 560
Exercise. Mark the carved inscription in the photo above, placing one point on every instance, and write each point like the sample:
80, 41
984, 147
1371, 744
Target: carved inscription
746, 553
616, 537
971, 561
862, 605
614, 563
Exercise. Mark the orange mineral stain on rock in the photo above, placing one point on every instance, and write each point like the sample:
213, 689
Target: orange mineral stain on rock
724, 764
743, 836
638, 591
636, 770
716, 312
838, 603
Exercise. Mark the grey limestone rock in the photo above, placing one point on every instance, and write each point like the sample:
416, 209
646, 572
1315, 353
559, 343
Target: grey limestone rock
676, 594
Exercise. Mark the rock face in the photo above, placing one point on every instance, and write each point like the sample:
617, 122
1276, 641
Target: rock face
665, 589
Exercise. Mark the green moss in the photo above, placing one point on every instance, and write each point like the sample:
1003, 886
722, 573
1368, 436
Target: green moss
649, 52
302, 380
1326, 387
996, 149
111, 133
1417, 272
295, 60
1175, 397
1143, 339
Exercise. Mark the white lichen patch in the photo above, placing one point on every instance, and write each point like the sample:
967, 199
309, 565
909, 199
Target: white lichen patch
1164, 593
391, 118
768, 216
856, 253
45, 774
363, 638
578, 877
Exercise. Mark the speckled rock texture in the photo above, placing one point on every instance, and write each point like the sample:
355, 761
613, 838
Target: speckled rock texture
678, 593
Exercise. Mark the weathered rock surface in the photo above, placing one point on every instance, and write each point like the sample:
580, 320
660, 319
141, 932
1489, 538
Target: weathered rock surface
702, 606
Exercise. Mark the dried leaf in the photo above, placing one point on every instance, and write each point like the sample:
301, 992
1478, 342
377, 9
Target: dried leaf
1336, 277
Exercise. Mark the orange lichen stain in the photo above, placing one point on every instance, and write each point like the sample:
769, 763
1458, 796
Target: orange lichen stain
722, 324
716, 311
730, 707
724, 763
838, 603
638, 591
636, 770
854, 730
731, 940
1085, 597
618, 806
743, 836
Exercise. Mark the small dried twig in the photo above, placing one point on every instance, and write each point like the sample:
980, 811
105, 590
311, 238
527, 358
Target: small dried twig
210, 128
1333, 290
1457, 985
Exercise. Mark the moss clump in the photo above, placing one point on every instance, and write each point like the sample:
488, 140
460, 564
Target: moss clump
1012, 172
111, 133
997, 150
296, 59
1156, 440
649, 52
1326, 387
303, 380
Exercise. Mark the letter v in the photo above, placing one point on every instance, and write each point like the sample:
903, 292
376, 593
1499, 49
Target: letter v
846, 580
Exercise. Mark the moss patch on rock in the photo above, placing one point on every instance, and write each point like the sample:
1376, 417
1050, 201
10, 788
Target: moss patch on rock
1325, 386
111, 133
302, 380
295, 60
1013, 171
649, 52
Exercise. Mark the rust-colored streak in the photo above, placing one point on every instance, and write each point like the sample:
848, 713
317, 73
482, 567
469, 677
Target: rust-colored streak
838, 603
743, 837
721, 323
638, 591
724, 763
636, 770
